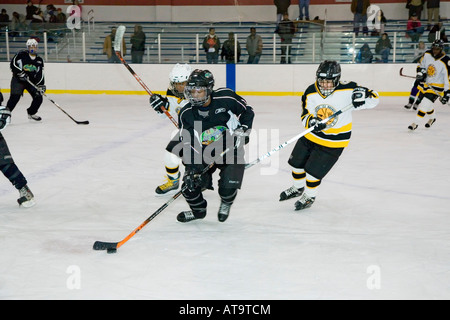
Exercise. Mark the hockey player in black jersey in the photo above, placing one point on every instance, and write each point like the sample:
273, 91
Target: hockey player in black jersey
211, 122
26, 66
9, 168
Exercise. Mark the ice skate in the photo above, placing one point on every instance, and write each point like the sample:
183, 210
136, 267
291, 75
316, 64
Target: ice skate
170, 185
413, 126
186, 216
305, 202
26, 199
34, 117
224, 211
430, 123
408, 106
290, 193
415, 106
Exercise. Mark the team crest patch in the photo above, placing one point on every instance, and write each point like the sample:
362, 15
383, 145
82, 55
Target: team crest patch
431, 70
323, 111
212, 134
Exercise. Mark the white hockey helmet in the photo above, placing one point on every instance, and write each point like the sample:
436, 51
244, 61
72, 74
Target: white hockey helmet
179, 74
32, 43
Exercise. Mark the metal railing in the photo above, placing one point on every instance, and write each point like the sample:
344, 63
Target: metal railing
175, 43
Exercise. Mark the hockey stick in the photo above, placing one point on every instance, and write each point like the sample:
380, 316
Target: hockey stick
429, 85
43, 93
111, 247
405, 75
281, 146
117, 48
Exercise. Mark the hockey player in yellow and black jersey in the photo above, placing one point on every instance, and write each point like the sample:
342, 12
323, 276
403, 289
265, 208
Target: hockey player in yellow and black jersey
316, 153
173, 103
27, 66
433, 74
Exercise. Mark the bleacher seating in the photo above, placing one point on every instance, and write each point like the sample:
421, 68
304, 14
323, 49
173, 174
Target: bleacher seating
178, 42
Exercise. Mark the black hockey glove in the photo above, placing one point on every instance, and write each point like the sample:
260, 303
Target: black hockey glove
157, 101
241, 136
22, 76
316, 124
421, 74
359, 96
446, 97
5, 117
192, 177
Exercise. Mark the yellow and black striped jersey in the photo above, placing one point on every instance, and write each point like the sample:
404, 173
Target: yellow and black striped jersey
438, 73
338, 131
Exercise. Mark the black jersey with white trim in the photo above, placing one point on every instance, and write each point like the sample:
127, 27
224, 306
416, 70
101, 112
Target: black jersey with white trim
226, 111
338, 131
33, 66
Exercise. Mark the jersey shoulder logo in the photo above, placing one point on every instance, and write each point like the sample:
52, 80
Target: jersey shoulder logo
220, 110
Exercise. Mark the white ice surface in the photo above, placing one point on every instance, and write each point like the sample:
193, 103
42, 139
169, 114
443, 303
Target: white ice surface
379, 228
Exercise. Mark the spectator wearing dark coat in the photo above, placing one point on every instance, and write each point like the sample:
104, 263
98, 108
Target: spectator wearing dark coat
228, 49
359, 10
137, 44
282, 8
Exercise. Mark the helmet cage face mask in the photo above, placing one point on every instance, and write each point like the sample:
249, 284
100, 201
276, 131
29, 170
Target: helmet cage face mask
199, 87
179, 75
328, 70
197, 95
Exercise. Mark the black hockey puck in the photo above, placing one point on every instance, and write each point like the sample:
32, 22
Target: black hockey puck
111, 250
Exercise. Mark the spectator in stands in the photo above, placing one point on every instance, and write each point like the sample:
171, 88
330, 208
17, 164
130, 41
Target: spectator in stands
30, 10
414, 28
379, 23
433, 12
364, 55
211, 45
4, 18
383, 47
286, 31
419, 51
108, 47
228, 49
50, 13
303, 6
18, 23
60, 16
282, 8
137, 44
438, 27
254, 46
415, 6
359, 10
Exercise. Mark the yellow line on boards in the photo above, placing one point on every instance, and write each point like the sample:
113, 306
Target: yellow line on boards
242, 93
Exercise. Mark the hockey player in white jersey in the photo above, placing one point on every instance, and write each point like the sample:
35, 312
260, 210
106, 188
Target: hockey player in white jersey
173, 102
316, 153
433, 75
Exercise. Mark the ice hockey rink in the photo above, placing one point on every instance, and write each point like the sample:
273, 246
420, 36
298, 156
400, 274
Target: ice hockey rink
379, 228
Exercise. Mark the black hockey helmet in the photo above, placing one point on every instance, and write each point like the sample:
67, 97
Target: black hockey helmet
199, 87
438, 43
328, 70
